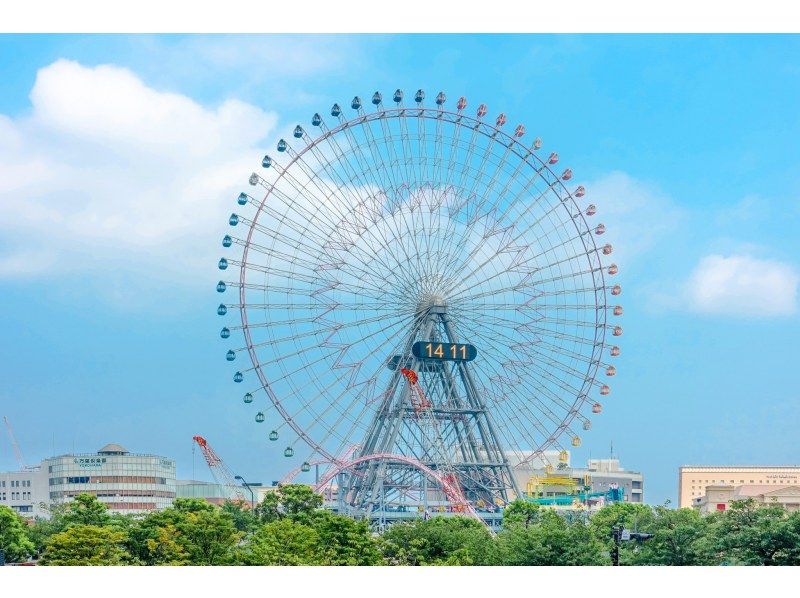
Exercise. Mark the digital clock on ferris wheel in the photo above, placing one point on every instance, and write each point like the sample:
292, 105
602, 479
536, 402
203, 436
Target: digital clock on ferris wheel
429, 350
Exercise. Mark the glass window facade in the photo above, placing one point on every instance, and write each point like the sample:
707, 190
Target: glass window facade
125, 482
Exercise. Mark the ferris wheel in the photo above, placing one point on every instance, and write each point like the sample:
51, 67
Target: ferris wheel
421, 299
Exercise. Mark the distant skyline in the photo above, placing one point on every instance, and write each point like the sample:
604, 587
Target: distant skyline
121, 157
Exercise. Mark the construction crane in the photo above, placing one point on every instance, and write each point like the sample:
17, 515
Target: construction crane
14, 445
222, 475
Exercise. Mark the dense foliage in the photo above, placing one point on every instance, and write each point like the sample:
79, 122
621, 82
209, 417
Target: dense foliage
290, 528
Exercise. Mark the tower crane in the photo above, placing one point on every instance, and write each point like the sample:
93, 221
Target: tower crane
14, 445
222, 475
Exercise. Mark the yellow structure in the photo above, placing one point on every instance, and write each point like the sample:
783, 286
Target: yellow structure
694, 480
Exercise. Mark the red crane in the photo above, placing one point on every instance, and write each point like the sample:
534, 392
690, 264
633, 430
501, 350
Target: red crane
222, 475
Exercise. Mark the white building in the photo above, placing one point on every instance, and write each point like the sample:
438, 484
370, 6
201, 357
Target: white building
25, 491
124, 481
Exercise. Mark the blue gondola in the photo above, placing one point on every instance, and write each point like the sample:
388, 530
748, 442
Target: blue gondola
336, 110
356, 103
225, 332
222, 310
233, 220
221, 287
419, 96
248, 398
266, 162
223, 264
238, 377
288, 452
398, 95
316, 120
273, 436
230, 355
242, 199
377, 98
259, 418
227, 241
440, 98
282, 145
298, 131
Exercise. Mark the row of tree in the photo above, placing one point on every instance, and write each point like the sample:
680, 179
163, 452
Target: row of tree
290, 528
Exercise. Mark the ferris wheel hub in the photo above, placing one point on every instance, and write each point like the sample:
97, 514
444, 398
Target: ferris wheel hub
432, 303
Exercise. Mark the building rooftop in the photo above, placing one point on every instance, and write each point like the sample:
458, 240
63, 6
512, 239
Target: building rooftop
113, 449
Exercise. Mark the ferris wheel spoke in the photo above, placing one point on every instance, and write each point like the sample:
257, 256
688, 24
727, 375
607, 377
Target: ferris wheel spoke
537, 331
332, 327
529, 283
333, 348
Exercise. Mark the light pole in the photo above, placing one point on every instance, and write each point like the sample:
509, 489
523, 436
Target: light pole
246, 485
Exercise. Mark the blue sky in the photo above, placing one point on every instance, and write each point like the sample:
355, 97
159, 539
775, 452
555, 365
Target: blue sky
120, 157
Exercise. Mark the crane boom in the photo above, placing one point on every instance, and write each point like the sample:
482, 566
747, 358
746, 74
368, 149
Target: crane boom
222, 475
14, 445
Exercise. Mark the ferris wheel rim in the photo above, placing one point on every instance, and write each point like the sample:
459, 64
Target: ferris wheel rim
489, 131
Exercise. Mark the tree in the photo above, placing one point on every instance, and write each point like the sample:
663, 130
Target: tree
85, 509
297, 501
749, 533
437, 541
633, 516
344, 541
244, 518
549, 540
192, 531
14, 540
164, 548
520, 511
679, 538
282, 542
86, 545
208, 536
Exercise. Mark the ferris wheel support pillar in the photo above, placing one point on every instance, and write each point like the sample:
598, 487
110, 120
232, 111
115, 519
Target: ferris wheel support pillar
446, 426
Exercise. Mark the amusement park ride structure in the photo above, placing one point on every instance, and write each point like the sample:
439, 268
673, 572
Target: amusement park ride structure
421, 296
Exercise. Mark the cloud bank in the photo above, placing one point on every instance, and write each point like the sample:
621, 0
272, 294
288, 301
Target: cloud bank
743, 285
105, 169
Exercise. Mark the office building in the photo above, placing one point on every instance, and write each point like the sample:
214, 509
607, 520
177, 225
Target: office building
695, 480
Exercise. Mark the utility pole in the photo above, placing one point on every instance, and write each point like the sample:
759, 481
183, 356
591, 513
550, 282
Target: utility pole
619, 534
616, 535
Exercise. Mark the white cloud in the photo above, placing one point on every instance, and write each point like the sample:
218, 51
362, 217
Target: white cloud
743, 285
637, 216
106, 171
